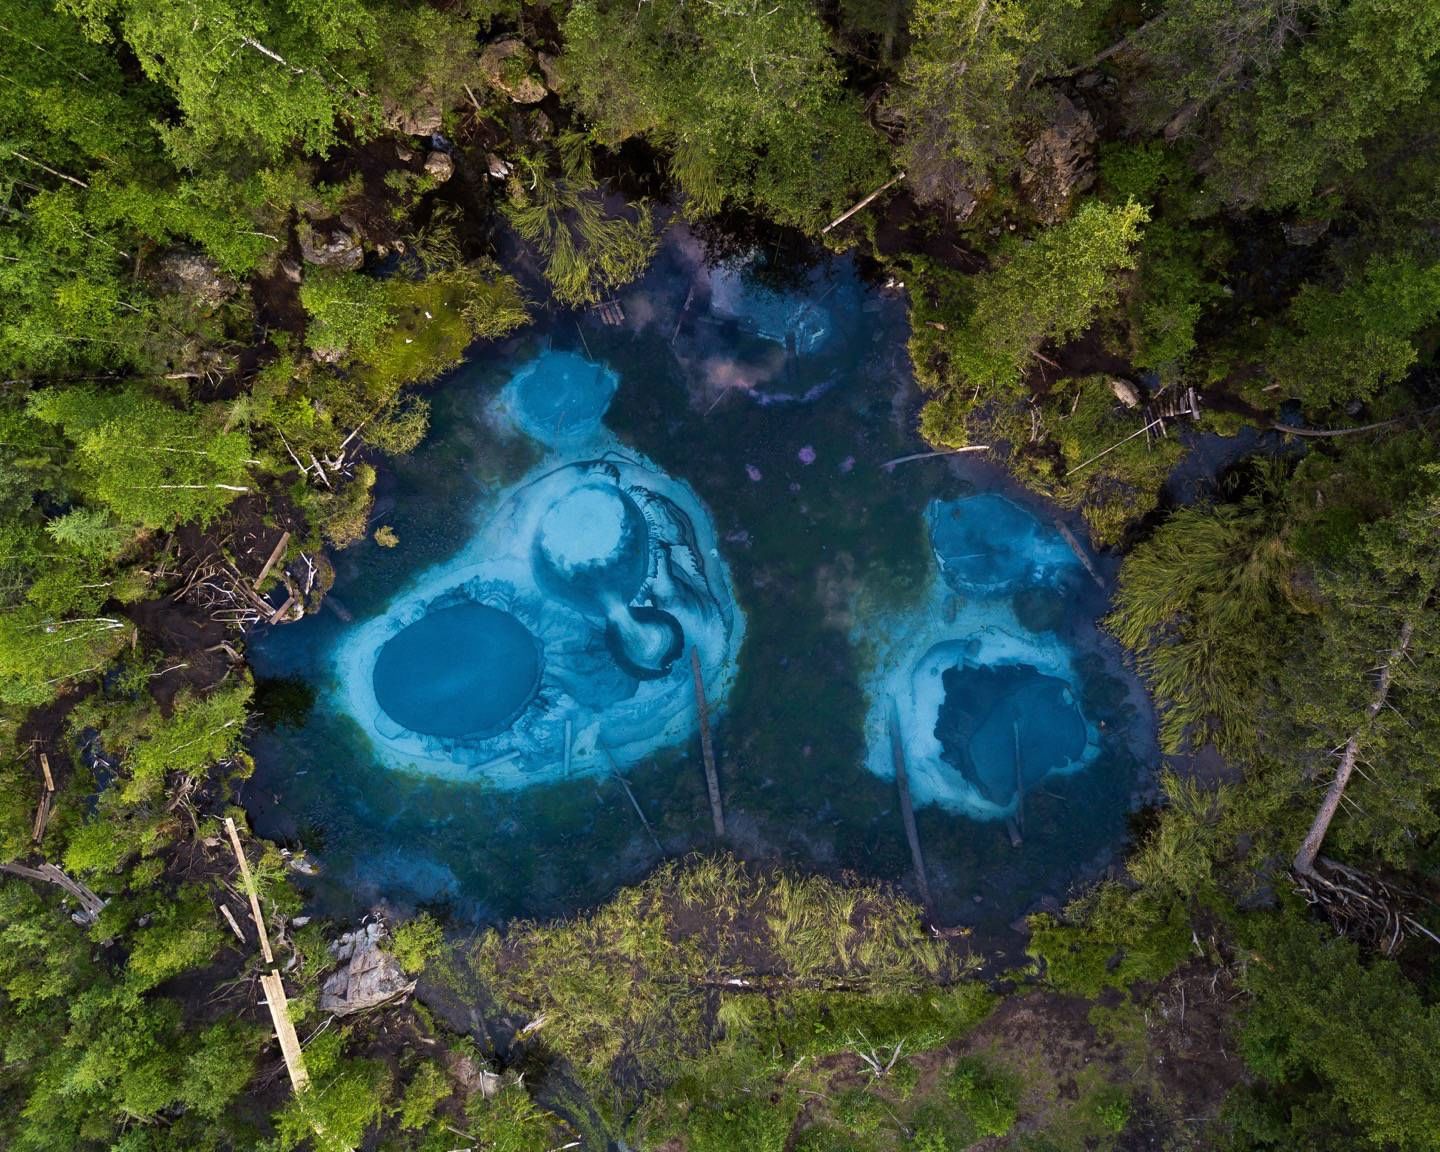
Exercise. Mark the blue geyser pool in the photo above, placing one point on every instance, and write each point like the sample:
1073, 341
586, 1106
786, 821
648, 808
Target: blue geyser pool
466, 670
985, 706
550, 646
591, 506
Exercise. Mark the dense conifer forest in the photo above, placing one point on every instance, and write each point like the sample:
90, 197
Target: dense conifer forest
240, 239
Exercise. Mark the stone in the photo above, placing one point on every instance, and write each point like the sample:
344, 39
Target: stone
548, 69
331, 245
367, 976
1125, 392
290, 269
496, 166
1060, 162
1304, 233
423, 118
508, 66
191, 274
439, 166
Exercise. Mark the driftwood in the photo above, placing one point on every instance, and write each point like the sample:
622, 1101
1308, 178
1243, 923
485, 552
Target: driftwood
1304, 863
707, 748
889, 464
248, 882
849, 212
279, 1007
275, 554
90, 904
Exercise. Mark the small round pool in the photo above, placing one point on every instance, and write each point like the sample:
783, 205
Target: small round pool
466, 670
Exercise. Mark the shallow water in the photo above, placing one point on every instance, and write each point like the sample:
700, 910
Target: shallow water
592, 504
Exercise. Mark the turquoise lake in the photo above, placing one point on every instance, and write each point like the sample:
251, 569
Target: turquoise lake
600, 515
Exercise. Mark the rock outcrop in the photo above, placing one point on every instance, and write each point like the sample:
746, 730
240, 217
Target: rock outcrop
331, 244
422, 116
368, 975
439, 166
1059, 163
509, 67
193, 275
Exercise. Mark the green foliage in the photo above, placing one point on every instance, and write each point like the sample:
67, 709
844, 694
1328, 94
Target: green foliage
748, 102
1046, 289
1346, 344
417, 941
512, 1122
427, 1088
149, 463
589, 252
1205, 604
1110, 939
335, 1113
967, 86
180, 935
989, 1097
1085, 420
1310, 117
1359, 1028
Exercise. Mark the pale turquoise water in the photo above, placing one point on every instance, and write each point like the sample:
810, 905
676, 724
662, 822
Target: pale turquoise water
584, 512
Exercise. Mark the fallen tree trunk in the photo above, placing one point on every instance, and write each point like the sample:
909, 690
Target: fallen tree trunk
1304, 863
90, 904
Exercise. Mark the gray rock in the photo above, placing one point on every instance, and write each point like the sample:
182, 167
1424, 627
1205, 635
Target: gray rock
496, 166
1059, 163
440, 166
368, 975
423, 116
509, 67
290, 270
331, 245
189, 273
1125, 392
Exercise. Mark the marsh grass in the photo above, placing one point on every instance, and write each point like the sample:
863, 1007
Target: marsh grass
711, 952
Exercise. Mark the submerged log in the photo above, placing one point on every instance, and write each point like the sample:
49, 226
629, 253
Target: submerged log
707, 748
907, 810
1080, 553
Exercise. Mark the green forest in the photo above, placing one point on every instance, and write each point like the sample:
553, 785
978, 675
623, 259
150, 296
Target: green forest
241, 237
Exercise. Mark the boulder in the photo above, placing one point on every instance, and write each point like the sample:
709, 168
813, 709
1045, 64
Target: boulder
509, 67
1059, 163
331, 244
439, 166
1125, 392
497, 167
189, 273
421, 116
368, 975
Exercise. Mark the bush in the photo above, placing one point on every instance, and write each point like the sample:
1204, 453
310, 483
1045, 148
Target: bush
989, 1097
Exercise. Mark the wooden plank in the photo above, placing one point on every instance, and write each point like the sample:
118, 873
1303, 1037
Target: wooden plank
42, 816
45, 768
275, 554
907, 810
250, 891
707, 749
285, 1030
234, 927
868, 199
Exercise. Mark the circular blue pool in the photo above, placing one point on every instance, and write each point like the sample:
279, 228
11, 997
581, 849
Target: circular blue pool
466, 670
